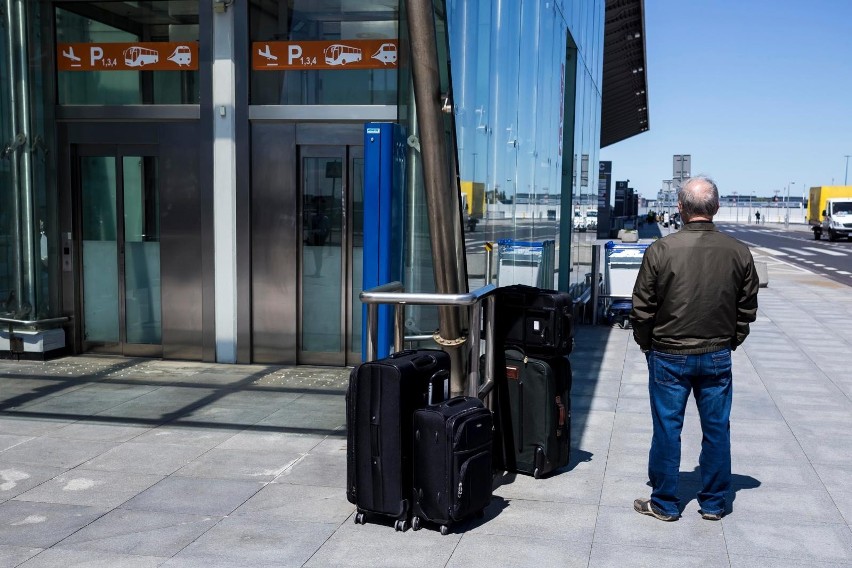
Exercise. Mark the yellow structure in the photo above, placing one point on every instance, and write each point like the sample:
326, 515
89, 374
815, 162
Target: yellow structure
474, 198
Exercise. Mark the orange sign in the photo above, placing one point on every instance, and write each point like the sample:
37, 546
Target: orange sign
340, 54
139, 56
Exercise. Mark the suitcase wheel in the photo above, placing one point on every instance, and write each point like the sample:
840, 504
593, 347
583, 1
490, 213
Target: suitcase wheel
359, 519
416, 524
400, 525
445, 530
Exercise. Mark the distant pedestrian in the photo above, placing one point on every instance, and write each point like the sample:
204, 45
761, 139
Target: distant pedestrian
694, 298
757, 217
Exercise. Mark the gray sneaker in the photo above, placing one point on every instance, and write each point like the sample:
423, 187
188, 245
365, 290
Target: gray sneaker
645, 507
711, 516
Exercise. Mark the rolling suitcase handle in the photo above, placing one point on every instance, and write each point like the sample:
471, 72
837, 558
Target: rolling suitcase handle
440, 380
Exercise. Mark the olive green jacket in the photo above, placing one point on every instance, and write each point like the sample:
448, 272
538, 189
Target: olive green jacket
696, 292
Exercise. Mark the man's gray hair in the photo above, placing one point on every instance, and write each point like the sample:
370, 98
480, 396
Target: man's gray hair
698, 197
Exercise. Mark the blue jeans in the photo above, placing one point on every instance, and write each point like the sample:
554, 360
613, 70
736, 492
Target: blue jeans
672, 377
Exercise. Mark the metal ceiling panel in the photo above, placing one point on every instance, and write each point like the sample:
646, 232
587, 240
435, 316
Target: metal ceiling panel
624, 105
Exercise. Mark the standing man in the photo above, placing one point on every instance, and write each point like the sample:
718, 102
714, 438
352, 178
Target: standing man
694, 298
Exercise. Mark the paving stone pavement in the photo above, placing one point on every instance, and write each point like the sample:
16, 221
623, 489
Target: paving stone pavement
131, 462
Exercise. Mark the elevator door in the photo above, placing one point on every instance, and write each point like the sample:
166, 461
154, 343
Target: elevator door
331, 205
117, 202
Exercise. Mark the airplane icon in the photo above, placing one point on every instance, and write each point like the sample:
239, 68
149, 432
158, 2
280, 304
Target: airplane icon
267, 54
70, 54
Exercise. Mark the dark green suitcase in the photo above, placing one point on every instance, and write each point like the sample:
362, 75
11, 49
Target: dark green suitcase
537, 395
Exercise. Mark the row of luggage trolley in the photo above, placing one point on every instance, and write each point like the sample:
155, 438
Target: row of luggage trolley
416, 454
621, 267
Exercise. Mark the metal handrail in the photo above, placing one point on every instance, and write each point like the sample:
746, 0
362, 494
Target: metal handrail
392, 293
28, 323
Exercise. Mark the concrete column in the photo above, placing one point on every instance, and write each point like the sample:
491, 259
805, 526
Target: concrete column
224, 188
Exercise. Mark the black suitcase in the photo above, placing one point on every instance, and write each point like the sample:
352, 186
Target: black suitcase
380, 405
537, 399
538, 321
453, 475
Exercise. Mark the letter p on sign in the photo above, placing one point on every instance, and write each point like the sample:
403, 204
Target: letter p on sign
294, 52
97, 53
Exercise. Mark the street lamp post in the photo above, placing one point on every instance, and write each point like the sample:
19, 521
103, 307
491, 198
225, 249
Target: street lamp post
787, 205
736, 207
750, 199
846, 176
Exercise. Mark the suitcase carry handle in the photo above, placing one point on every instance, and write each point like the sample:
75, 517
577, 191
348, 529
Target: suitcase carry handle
421, 362
404, 353
518, 349
424, 361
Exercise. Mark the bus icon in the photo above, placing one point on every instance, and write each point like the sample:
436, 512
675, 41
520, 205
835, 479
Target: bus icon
140, 56
386, 53
339, 54
182, 55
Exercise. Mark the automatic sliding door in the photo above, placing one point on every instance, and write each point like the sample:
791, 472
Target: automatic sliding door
322, 183
142, 306
118, 198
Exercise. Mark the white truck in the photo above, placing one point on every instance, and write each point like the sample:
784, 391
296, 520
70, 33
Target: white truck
591, 219
830, 212
837, 219
579, 222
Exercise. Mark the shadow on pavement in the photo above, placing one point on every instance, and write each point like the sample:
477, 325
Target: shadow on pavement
185, 415
690, 484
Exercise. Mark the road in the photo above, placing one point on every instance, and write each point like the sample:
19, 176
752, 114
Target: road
796, 246
493, 231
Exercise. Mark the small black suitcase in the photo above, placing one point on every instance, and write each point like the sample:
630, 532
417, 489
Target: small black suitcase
453, 475
380, 405
537, 441
538, 321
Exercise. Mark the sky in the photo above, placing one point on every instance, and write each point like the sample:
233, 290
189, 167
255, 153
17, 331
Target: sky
758, 92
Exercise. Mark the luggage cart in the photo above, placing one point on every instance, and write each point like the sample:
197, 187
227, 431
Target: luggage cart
526, 262
621, 267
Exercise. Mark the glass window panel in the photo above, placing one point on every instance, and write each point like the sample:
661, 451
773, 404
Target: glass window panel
118, 22
321, 254
100, 258
143, 314
308, 20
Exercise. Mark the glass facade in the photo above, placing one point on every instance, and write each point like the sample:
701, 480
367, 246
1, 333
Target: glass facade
517, 65
522, 79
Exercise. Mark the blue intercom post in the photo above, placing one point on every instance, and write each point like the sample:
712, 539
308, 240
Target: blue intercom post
384, 220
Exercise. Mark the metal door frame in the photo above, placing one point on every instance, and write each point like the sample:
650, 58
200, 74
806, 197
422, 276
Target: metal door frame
352, 352
117, 152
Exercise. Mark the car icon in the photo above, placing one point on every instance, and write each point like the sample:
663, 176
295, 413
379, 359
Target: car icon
182, 55
386, 53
